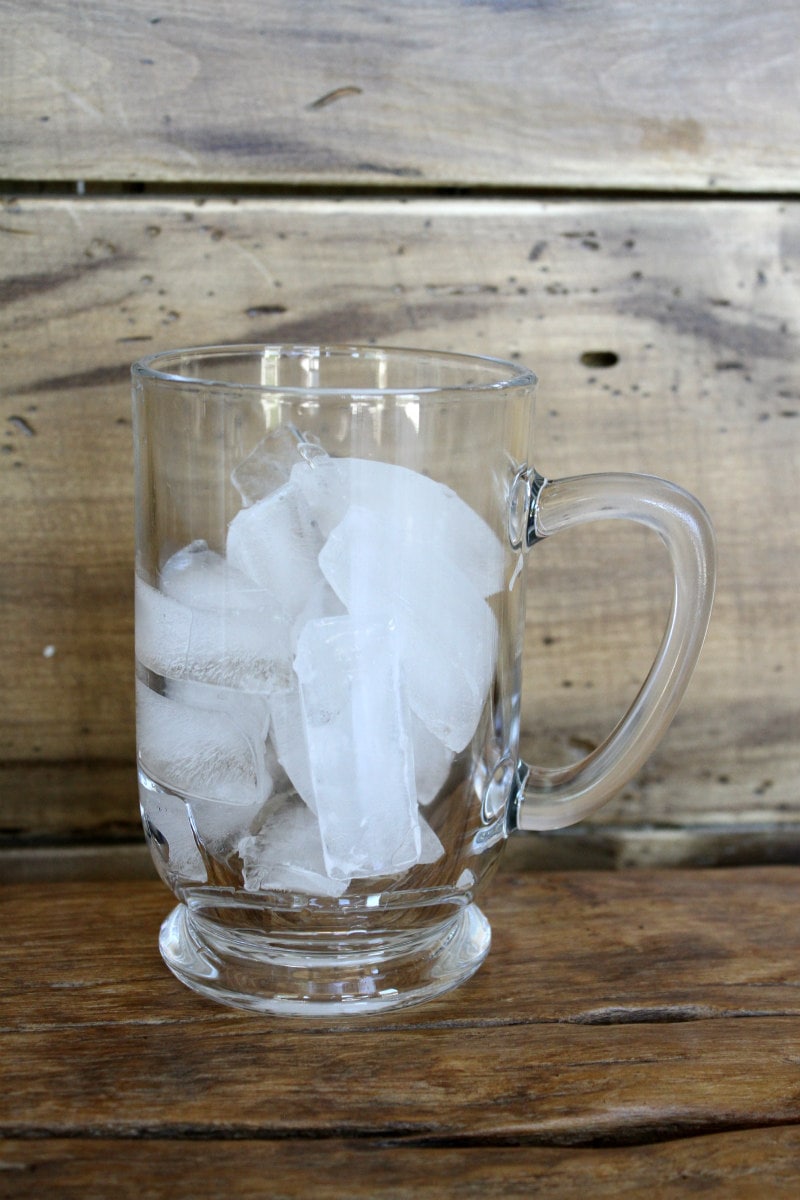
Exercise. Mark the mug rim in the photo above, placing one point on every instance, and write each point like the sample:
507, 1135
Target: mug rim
510, 375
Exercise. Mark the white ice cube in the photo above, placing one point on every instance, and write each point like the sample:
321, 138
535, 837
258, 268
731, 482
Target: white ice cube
221, 826
288, 736
420, 511
432, 761
246, 647
276, 543
360, 754
202, 753
322, 602
201, 578
431, 847
286, 854
447, 634
248, 711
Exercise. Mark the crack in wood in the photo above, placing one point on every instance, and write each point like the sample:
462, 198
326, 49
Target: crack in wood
403, 1135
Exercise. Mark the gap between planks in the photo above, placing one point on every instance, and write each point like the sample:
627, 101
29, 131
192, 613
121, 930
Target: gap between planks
246, 189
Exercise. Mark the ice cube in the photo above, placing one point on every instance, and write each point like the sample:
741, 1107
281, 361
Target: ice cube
325, 487
288, 736
432, 762
431, 848
247, 711
276, 543
220, 827
322, 602
359, 748
286, 854
419, 510
245, 647
201, 578
446, 632
199, 752
267, 467
169, 832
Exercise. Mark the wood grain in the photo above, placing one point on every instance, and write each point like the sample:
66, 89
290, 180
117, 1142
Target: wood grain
729, 1164
636, 1029
479, 92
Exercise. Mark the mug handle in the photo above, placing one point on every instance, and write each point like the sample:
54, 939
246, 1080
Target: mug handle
550, 798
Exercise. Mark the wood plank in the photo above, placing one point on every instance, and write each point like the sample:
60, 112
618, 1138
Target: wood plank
730, 1164
478, 92
696, 300
610, 1028
211, 1079
81, 859
703, 945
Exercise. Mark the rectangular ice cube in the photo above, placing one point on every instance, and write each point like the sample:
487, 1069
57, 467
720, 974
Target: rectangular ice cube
360, 753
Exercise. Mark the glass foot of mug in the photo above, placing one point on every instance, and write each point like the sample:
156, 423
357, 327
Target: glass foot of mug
269, 975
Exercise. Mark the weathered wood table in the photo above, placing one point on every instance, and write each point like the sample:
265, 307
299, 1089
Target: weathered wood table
633, 1033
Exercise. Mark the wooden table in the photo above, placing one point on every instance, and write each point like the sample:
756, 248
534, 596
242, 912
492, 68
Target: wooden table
631, 1033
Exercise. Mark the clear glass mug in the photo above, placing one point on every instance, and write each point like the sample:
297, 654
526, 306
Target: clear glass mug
329, 627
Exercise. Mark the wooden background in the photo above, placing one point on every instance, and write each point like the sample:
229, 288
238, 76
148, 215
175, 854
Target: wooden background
604, 189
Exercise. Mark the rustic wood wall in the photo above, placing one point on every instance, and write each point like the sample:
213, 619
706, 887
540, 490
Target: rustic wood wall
605, 190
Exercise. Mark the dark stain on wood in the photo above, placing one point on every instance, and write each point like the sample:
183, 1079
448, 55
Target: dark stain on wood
111, 376
508, 6
361, 322
258, 144
20, 287
395, 172
685, 135
697, 320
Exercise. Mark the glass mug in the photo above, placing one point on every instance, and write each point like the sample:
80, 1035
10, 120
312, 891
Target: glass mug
329, 627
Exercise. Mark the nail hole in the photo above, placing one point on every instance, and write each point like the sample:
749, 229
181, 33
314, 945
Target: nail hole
599, 358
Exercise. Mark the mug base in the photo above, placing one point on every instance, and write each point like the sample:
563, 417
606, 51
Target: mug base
268, 975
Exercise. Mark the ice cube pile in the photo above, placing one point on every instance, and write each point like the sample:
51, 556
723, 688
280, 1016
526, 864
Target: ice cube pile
308, 691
